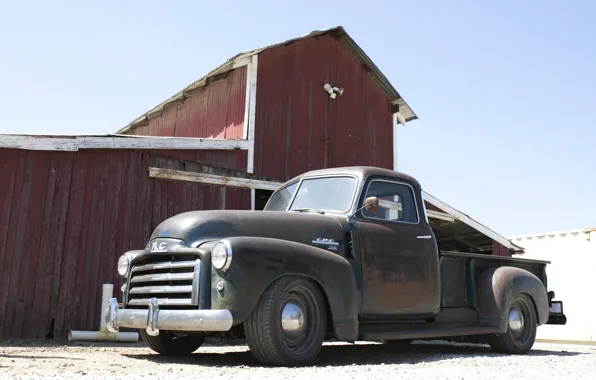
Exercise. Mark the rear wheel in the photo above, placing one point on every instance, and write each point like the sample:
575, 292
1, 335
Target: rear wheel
171, 343
287, 327
521, 328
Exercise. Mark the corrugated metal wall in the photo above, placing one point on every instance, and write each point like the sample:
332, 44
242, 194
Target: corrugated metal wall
299, 128
212, 111
571, 276
66, 217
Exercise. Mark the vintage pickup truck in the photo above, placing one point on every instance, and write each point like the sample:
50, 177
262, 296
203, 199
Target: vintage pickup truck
343, 254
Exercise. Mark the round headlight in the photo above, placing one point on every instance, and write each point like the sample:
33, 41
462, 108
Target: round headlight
123, 263
221, 255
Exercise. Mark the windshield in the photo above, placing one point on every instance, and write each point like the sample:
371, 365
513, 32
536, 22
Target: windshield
328, 194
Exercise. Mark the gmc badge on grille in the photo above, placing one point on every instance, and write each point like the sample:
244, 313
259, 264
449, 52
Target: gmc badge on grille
161, 246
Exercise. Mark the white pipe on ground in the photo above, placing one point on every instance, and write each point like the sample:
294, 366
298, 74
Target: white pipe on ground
128, 337
103, 334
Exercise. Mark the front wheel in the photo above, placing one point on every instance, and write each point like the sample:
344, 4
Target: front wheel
287, 327
521, 328
173, 344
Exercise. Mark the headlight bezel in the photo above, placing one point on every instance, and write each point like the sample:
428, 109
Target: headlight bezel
126, 256
222, 264
129, 257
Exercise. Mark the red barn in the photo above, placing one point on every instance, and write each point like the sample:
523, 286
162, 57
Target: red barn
70, 205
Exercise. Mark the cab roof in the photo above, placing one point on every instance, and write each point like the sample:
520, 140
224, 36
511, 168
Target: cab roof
359, 171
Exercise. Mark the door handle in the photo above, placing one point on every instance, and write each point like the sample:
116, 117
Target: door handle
424, 237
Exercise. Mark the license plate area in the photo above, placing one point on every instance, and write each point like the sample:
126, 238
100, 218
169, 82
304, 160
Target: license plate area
556, 307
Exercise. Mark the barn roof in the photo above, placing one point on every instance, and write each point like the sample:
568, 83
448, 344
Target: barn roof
338, 33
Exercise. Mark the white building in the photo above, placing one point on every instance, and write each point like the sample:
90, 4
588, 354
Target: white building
571, 275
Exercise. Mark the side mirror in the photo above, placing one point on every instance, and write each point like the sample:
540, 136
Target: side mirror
371, 203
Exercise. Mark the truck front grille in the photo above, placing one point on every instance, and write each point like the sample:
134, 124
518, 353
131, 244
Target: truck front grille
172, 279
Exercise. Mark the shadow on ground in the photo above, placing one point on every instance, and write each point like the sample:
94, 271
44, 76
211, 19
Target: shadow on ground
357, 354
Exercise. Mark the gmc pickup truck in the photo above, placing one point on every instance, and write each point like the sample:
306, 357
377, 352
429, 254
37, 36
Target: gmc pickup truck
341, 254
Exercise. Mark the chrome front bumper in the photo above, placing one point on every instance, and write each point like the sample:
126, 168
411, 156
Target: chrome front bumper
153, 319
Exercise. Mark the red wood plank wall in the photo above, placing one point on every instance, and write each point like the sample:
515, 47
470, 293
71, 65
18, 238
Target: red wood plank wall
66, 217
212, 111
299, 128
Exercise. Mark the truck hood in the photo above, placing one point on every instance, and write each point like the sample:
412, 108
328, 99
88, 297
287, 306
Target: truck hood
197, 227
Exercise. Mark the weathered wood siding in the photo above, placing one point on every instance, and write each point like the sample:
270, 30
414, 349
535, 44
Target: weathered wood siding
66, 217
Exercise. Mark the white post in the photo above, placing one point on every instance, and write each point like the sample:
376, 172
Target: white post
103, 334
254, 65
106, 295
395, 126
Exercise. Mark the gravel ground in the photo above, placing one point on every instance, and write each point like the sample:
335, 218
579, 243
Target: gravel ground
346, 361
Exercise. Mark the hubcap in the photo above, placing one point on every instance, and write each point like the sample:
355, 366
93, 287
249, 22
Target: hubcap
292, 320
516, 321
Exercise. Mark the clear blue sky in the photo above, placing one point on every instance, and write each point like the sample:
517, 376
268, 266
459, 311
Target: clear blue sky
505, 92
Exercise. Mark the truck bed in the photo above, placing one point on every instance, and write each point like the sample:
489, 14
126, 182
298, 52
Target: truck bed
460, 270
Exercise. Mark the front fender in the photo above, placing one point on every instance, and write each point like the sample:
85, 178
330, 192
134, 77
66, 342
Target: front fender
498, 286
257, 262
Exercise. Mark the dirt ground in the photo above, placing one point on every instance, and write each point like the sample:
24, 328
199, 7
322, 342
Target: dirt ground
436, 360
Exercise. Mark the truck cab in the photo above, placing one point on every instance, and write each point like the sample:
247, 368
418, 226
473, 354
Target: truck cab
342, 253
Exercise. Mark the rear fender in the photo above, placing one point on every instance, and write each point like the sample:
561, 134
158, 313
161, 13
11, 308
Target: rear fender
498, 286
257, 262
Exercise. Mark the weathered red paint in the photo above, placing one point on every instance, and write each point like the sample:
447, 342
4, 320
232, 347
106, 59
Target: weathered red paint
66, 217
299, 128
500, 250
212, 111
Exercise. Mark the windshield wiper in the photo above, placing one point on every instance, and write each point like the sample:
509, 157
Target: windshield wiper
307, 210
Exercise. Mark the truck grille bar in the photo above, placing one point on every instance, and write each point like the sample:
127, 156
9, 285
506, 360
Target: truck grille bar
172, 279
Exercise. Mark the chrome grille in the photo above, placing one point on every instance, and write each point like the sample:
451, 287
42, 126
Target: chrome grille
172, 279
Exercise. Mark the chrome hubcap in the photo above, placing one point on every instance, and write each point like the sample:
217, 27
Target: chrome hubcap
516, 320
292, 320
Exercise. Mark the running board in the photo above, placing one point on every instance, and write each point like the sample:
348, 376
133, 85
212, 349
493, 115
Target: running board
378, 333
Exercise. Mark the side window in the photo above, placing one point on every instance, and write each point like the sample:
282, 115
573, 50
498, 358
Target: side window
396, 202
280, 200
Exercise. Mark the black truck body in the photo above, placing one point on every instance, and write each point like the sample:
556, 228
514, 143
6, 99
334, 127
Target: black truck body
342, 253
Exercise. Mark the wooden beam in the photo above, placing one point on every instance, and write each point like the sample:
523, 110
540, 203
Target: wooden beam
211, 179
201, 168
74, 143
192, 171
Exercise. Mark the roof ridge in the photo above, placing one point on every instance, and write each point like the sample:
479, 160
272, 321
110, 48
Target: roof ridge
339, 32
